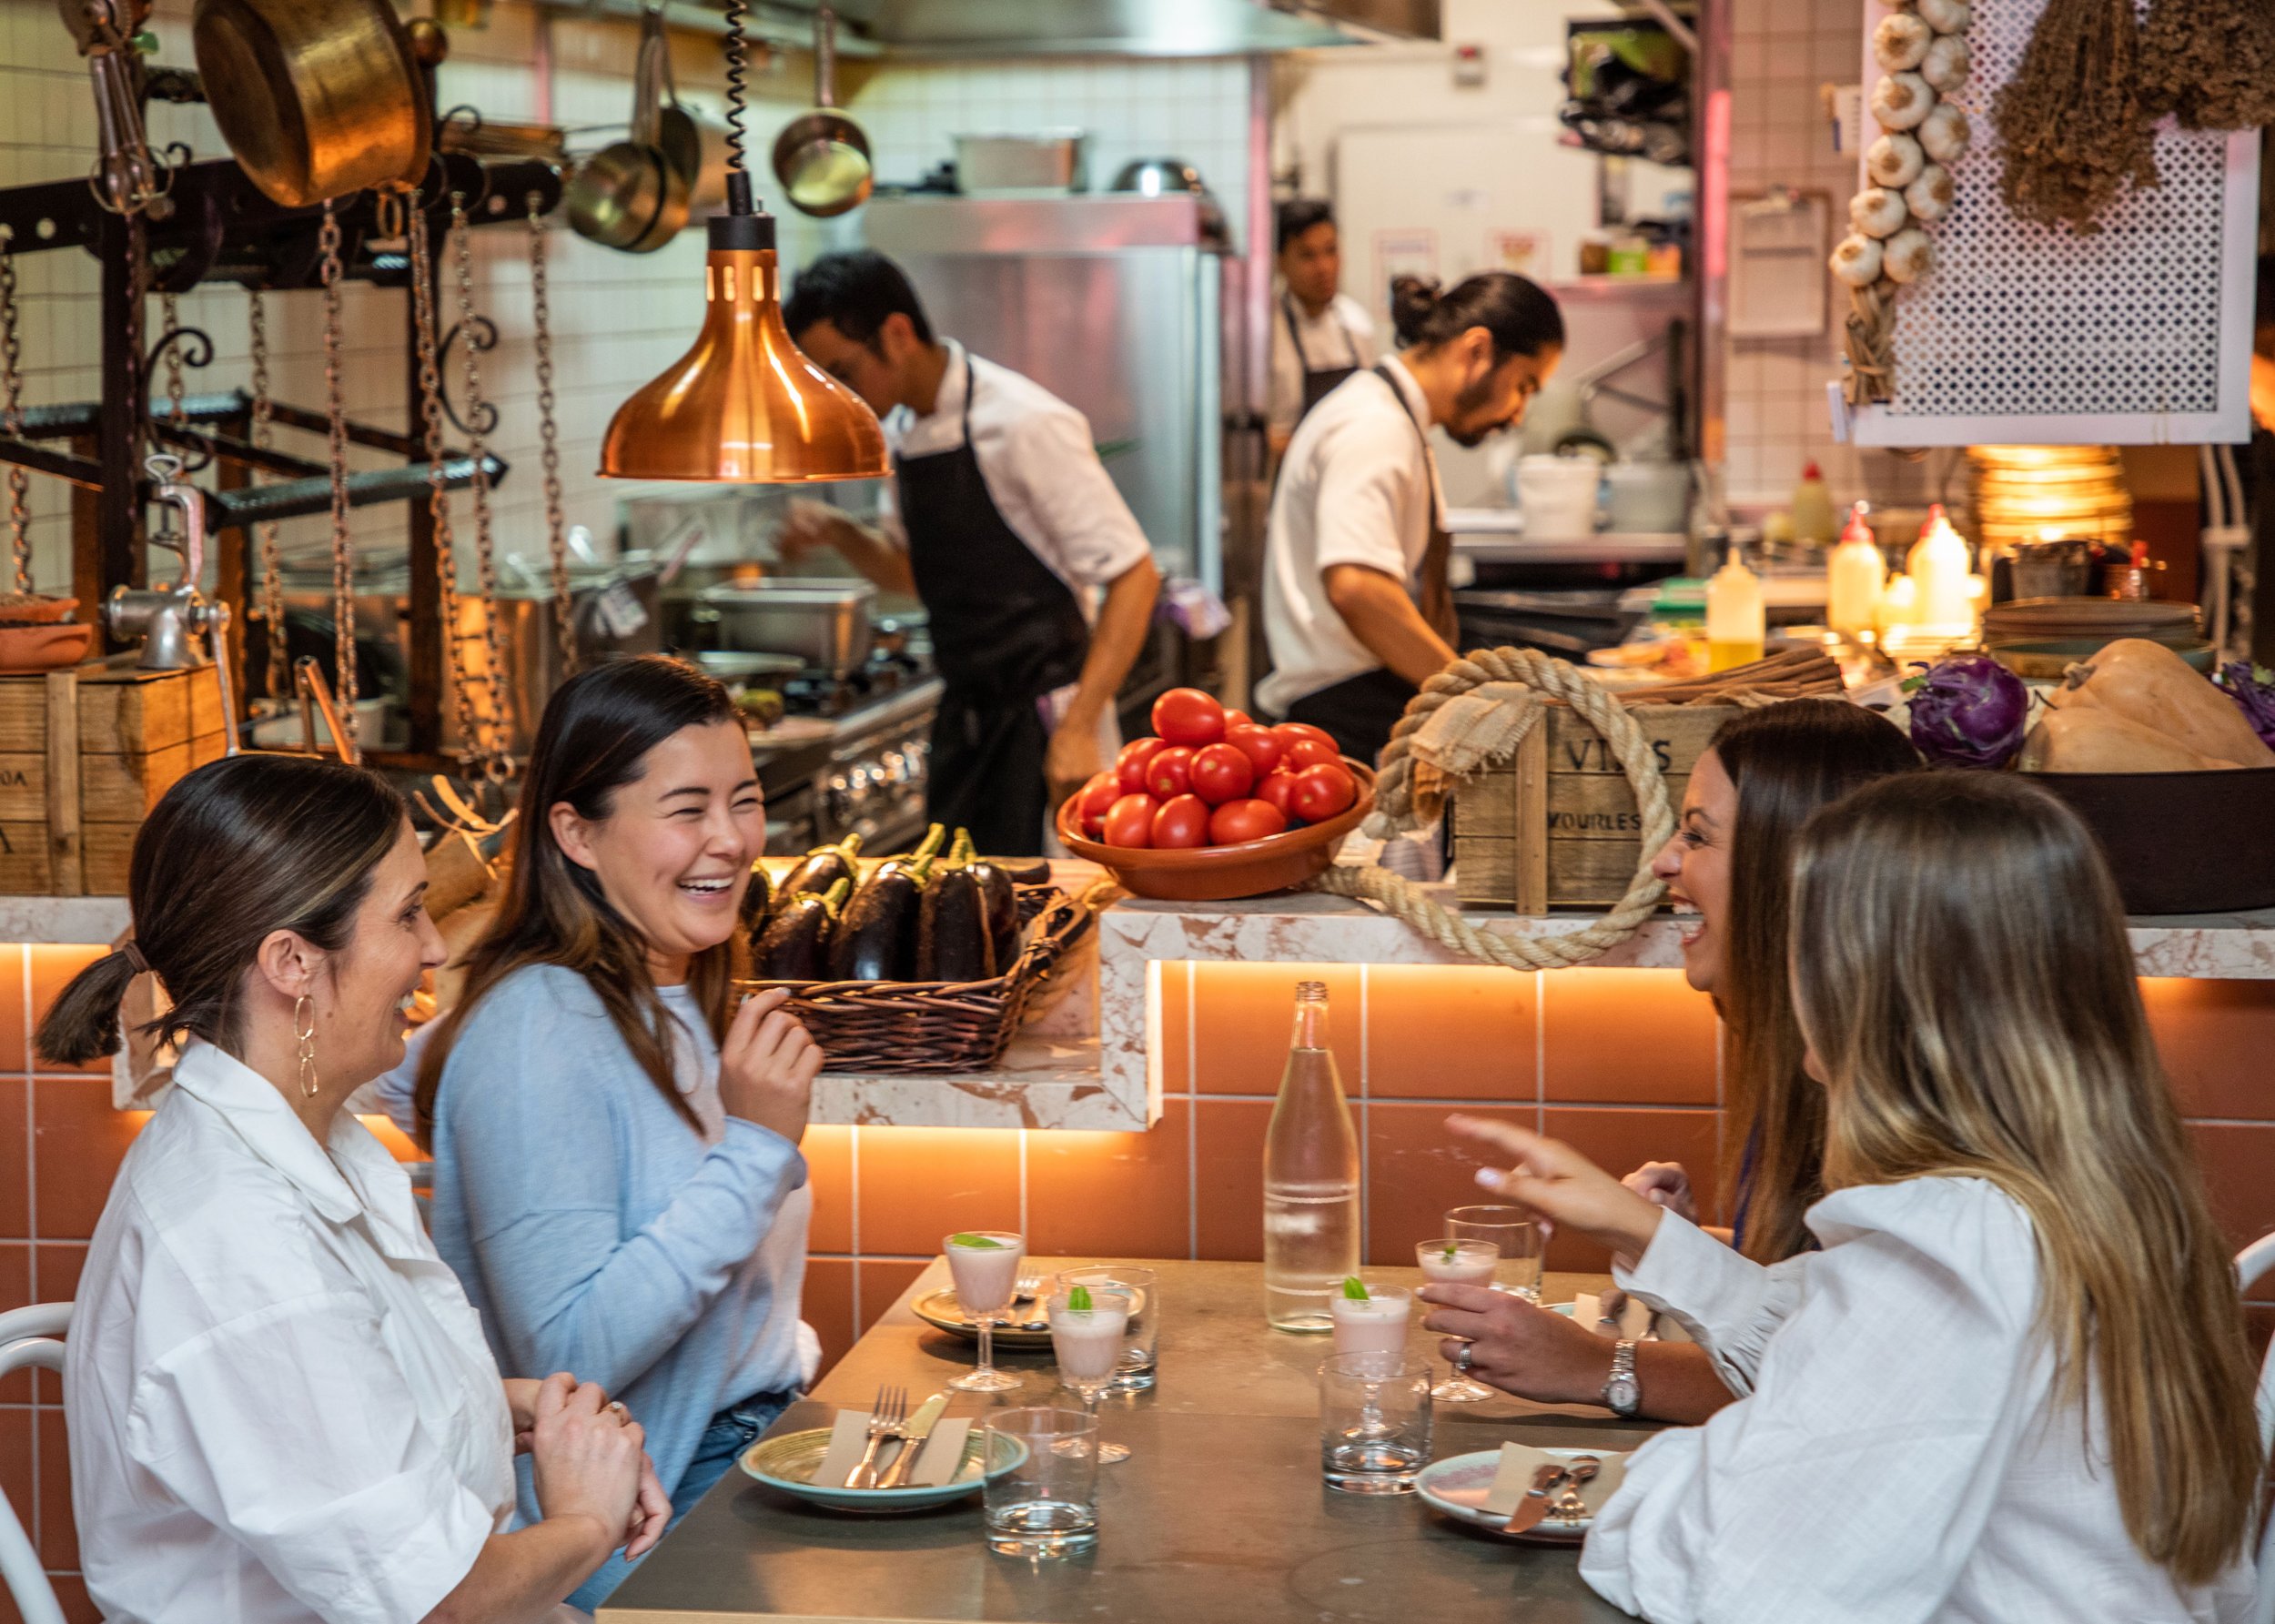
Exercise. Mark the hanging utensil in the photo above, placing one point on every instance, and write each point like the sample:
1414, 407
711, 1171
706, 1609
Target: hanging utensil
822, 158
127, 179
691, 143
316, 99
628, 196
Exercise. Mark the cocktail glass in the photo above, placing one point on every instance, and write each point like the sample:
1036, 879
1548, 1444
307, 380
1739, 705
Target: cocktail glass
984, 1265
1458, 1263
1088, 1343
1141, 1337
1377, 1325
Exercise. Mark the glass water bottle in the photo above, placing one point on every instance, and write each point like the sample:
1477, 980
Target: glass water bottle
1310, 1179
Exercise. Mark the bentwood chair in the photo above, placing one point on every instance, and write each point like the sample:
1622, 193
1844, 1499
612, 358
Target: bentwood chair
28, 1338
2254, 1262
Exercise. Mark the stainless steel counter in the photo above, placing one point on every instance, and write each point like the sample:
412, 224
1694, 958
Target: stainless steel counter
1218, 1516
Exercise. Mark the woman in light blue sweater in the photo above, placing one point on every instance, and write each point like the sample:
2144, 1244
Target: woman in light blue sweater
616, 1179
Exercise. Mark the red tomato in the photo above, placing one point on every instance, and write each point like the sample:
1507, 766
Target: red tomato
1321, 792
1094, 798
1262, 747
1238, 821
1277, 790
1182, 822
1130, 765
1170, 773
1293, 730
1129, 820
1310, 752
1222, 773
1187, 716
1237, 719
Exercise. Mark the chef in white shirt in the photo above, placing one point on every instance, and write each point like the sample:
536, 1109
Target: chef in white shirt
1319, 336
1037, 582
1357, 608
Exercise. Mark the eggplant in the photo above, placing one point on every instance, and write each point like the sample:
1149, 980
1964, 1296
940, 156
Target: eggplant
877, 938
758, 901
823, 867
1002, 897
954, 942
1024, 871
795, 946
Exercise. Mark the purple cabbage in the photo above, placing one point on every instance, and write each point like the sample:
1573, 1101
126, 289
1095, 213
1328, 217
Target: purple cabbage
1968, 710
2252, 686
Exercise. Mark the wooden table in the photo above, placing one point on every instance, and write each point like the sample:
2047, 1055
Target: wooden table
1218, 1516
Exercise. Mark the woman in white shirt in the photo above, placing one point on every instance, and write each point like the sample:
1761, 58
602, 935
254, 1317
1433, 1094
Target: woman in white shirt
281, 1404
2015, 1384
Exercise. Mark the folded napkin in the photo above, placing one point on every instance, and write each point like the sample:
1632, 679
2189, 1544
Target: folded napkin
849, 1438
1521, 1462
1634, 1323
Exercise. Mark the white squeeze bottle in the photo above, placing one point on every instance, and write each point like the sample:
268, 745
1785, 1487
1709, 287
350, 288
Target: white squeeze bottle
1737, 626
1940, 564
1853, 577
1310, 1180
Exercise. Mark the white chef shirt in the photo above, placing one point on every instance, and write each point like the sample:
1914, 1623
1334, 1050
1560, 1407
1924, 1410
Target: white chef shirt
280, 1406
1358, 486
1899, 1456
1038, 460
1342, 335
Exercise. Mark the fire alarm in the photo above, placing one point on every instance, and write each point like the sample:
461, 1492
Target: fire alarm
1468, 67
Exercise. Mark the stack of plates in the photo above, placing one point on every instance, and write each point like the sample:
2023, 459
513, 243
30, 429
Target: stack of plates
2030, 493
2043, 637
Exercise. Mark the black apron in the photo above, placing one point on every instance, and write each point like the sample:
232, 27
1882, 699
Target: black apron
1360, 711
1316, 380
1005, 631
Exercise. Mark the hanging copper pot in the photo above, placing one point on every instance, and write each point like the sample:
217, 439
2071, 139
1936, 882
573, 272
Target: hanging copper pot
316, 99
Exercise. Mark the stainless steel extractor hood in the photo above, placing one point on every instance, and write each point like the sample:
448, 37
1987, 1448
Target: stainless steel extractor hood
1125, 27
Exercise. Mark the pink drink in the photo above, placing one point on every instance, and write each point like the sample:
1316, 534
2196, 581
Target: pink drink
1472, 1263
987, 1277
1375, 1326
1087, 1341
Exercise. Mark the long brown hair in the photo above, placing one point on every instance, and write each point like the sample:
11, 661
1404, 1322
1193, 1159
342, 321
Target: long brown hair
239, 849
1785, 761
593, 740
1961, 968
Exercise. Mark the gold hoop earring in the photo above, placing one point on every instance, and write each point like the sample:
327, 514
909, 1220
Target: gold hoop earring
304, 1029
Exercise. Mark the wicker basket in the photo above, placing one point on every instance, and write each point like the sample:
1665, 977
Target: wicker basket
932, 1028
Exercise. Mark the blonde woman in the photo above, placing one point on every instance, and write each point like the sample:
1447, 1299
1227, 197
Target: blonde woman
2015, 1383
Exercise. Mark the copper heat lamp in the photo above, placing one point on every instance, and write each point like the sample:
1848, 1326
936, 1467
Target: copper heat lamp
744, 406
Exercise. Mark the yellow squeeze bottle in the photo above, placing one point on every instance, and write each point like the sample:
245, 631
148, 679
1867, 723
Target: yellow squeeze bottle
1855, 576
1736, 625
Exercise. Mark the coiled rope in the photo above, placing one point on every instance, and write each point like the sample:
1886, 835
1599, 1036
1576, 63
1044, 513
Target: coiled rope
1543, 678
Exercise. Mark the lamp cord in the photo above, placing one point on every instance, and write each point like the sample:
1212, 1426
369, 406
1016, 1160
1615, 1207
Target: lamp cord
738, 71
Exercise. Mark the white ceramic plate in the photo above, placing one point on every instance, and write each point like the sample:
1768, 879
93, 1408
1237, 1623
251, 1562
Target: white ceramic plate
1459, 1485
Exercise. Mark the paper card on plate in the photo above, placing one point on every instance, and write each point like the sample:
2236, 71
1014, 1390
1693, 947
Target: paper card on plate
943, 1452
1634, 1317
849, 1436
1520, 1463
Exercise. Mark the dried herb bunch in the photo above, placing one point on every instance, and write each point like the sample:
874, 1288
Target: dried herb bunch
2212, 62
2072, 119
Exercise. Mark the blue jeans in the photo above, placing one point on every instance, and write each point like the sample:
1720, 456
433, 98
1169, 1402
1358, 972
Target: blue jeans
731, 1431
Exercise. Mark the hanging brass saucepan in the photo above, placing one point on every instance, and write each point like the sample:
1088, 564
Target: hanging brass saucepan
628, 194
316, 99
821, 157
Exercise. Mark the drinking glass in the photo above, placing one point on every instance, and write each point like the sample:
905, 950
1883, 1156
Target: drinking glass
984, 1265
1141, 1337
1047, 1504
1374, 1422
1088, 1343
1516, 1232
1376, 1325
1458, 1263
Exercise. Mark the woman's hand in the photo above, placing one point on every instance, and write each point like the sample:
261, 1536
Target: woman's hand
1554, 1179
1667, 1184
522, 1399
651, 1513
589, 1459
767, 1066
1518, 1347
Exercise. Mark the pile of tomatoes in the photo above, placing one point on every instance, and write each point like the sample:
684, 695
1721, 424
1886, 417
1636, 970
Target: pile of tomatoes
1212, 777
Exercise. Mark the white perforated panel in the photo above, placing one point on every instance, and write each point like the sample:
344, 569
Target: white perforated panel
2137, 332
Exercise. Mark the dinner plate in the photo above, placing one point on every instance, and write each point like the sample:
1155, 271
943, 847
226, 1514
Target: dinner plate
787, 1463
1459, 1485
940, 1310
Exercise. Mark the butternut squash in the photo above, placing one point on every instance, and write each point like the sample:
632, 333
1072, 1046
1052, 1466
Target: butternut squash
2148, 684
2089, 738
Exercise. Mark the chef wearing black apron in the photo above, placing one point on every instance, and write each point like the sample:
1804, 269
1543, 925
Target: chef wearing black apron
1002, 519
1322, 335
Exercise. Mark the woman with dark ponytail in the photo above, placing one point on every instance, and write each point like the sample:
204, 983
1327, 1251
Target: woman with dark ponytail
280, 1404
1357, 609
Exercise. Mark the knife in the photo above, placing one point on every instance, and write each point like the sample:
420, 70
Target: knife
919, 1428
1533, 1507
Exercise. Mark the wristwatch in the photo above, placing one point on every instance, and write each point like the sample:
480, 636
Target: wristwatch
1622, 1393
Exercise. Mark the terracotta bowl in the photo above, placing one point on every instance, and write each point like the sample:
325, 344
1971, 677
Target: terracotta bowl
34, 610
1219, 873
44, 648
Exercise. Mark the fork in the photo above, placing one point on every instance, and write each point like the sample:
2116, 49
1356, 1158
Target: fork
1026, 1286
887, 1419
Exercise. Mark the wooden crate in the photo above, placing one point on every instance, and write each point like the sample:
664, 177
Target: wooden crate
85, 754
1557, 826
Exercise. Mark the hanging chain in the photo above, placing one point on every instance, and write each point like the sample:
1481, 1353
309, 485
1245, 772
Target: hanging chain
494, 763
548, 441
12, 416
272, 607
170, 311
422, 298
343, 561
138, 293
